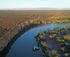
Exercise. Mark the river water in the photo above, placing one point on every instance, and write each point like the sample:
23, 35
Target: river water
22, 47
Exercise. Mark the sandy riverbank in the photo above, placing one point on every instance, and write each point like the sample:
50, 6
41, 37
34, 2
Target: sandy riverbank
7, 40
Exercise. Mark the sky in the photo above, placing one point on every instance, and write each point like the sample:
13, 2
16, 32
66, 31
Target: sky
14, 4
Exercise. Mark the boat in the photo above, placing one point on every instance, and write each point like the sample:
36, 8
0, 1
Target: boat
35, 48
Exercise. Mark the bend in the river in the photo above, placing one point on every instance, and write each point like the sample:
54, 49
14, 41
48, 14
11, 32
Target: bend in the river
24, 44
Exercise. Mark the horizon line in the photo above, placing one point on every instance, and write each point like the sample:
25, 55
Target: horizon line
38, 8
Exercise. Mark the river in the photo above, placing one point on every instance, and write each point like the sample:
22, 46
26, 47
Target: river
22, 47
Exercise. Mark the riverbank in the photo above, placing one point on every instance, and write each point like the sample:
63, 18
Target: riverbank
21, 30
8, 41
55, 42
